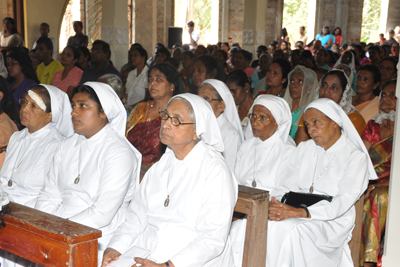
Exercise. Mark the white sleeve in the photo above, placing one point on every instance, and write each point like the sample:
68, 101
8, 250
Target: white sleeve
116, 176
195, 36
352, 185
231, 145
214, 221
49, 199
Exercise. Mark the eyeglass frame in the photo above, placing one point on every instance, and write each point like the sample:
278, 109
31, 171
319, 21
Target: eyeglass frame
252, 117
29, 104
211, 99
169, 117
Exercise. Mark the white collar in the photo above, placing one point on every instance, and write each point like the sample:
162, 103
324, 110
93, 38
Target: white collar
34, 136
334, 149
93, 141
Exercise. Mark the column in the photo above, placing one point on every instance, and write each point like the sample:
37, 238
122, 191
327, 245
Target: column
254, 24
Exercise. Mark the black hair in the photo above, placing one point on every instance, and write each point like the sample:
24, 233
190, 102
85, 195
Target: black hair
75, 51
273, 43
284, 32
46, 41
331, 56
225, 43
325, 27
211, 64
376, 48
224, 54
360, 50
163, 50
170, 73
25, 63
105, 47
394, 81
322, 70
246, 54
263, 48
302, 27
142, 52
12, 22
86, 89
374, 70
285, 68
342, 78
300, 41
44, 95
238, 77
190, 23
205, 51
79, 23
7, 103
363, 44
189, 54
172, 61
325, 53
236, 45
135, 45
85, 51
45, 24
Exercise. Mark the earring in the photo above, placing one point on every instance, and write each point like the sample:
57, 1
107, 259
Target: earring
172, 90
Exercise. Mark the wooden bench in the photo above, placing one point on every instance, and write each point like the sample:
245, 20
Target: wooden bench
254, 203
46, 239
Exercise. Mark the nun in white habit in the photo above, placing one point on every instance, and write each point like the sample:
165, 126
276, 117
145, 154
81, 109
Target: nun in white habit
262, 158
95, 172
217, 94
183, 211
335, 163
30, 151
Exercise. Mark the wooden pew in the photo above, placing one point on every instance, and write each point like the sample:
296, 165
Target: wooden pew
254, 203
46, 239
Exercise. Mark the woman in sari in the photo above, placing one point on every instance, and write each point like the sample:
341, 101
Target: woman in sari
10, 36
299, 93
348, 59
258, 78
143, 127
366, 102
336, 86
378, 138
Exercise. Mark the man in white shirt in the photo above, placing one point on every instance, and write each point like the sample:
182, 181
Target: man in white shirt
44, 32
191, 37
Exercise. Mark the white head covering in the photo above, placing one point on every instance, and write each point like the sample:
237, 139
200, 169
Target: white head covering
116, 115
207, 128
60, 110
336, 113
3, 69
178, 48
308, 92
230, 113
352, 64
346, 101
280, 110
112, 106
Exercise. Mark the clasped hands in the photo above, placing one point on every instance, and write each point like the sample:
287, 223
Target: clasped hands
278, 211
111, 255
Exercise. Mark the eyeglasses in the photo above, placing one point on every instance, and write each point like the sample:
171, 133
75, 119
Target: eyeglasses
96, 51
211, 99
254, 117
174, 120
33, 106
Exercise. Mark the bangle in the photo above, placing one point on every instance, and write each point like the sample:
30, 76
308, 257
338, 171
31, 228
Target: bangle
307, 212
167, 264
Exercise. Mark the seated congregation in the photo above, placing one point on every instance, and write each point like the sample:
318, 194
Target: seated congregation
74, 137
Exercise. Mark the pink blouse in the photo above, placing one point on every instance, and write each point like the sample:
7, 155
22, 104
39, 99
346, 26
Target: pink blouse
73, 78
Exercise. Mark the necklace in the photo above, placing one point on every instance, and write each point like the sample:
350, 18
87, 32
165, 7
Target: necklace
14, 169
166, 202
78, 178
254, 183
319, 176
148, 112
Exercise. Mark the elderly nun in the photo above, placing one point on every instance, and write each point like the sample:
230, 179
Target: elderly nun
217, 94
46, 113
95, 172
262, 158
334, 163
183, 211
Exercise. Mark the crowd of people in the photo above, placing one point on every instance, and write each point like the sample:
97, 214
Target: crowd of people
317, 119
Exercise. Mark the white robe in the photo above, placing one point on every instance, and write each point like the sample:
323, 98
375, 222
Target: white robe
29, 156
266, 160
193, 230
323, 238
107, 182
231, 141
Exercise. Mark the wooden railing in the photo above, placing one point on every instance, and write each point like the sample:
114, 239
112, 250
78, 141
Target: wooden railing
46, 239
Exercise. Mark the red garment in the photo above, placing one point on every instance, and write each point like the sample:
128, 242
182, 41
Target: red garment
338, 39
145, 136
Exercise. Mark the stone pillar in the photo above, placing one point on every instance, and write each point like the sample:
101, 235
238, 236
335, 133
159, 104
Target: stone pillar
224, 20
278, 20
254, 24
393, 15
115, 30
341, 17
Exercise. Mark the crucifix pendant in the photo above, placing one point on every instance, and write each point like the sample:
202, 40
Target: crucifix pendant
9, 183
254, 183
77, 179
166, 202
312, 189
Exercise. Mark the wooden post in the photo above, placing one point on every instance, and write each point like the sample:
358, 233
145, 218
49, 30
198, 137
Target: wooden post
254, 203
355, 242
46, 239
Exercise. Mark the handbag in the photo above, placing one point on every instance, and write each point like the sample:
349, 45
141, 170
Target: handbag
303, 200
